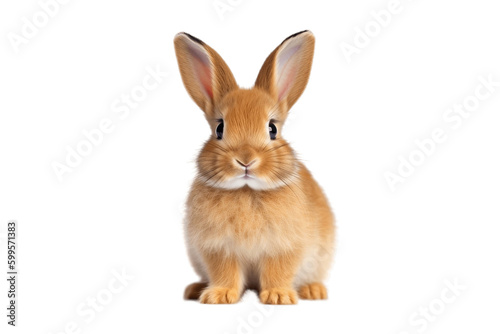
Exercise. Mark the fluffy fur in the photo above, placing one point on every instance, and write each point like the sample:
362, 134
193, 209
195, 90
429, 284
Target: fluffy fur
255, 216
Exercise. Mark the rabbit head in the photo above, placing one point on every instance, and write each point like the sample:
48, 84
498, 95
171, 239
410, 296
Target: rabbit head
246, 147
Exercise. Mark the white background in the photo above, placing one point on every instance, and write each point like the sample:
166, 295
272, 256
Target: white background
122, 207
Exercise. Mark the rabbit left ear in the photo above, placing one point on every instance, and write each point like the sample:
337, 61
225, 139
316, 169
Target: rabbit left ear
206, 76
286, 70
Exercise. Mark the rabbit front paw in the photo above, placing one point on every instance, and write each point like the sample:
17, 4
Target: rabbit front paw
278, 296
219, 295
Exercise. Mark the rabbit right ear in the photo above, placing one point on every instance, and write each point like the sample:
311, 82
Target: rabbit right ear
285, 72
206, 76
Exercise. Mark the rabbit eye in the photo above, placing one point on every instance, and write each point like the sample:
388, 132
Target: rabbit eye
219, 129
272, 131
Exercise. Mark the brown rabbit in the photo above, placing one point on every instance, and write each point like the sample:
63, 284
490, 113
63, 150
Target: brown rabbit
255, 217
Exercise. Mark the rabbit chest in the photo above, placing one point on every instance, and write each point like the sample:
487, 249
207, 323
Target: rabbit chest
245, 221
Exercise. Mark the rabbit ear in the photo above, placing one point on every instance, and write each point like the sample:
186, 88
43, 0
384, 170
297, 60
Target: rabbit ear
286, 71
206, 76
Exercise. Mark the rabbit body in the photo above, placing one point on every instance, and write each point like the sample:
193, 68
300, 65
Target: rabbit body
255, 218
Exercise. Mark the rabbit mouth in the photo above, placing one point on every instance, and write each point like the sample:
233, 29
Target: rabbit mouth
247, 176
247, 179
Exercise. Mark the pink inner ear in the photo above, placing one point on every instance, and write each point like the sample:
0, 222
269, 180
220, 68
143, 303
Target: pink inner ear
203, 70
286, 70
285, 83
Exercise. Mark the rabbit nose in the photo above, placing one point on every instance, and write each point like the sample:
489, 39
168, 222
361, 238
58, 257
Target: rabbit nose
245, 156
246, 165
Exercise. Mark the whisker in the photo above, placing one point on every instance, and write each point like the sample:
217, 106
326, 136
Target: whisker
214, 171
217, 182
208, 179
286, 184
275, 148
214, 152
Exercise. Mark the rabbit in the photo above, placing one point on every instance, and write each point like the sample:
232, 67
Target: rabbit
255, 217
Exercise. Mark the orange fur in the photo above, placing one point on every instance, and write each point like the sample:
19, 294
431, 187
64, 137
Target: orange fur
273, 230
313, 291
